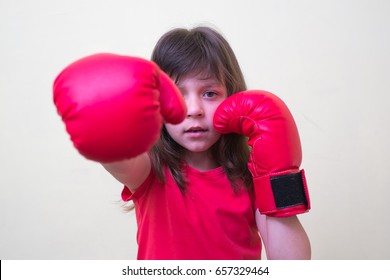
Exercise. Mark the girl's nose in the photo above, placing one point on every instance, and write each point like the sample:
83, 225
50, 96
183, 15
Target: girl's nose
194, 107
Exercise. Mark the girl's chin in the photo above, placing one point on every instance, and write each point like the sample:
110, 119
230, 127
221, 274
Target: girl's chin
197, 150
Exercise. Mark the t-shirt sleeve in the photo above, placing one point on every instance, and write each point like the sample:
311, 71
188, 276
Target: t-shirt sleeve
127, 195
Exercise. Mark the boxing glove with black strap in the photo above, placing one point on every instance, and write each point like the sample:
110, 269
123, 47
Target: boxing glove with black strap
276, 155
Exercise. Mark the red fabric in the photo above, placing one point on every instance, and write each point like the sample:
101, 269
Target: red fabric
210, 221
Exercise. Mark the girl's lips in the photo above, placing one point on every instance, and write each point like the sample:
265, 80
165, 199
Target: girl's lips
195, 129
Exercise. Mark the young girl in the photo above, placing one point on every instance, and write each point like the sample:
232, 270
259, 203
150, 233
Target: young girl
193, 193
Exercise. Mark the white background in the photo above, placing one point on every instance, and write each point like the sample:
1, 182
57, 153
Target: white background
328, 60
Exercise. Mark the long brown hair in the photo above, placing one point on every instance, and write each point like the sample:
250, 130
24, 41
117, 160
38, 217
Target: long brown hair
199, 50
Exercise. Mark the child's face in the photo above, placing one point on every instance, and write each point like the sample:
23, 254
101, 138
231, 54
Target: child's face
202, 96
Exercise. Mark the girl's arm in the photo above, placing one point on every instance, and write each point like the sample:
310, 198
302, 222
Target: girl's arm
283, 238
130, 172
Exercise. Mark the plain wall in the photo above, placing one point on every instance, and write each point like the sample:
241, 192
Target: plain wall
328, 60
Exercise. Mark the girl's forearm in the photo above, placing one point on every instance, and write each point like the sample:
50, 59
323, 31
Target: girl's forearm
286, 239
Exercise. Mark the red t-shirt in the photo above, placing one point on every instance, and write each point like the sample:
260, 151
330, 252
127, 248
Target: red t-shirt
210, 221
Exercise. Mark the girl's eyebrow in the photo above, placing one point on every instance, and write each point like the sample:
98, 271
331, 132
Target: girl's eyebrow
213, 85
210, 81
208, 78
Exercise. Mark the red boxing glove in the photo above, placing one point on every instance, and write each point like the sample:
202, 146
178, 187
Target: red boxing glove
113, 106
280, 187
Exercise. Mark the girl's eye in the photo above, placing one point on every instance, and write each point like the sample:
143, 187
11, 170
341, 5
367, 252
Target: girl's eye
209, 94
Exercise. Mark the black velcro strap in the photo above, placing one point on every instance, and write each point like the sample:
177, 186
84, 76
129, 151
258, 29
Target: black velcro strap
288, 190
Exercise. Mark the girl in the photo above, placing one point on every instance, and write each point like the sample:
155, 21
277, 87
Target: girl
192, 191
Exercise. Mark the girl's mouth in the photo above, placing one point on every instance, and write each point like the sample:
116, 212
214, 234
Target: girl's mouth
195, 131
